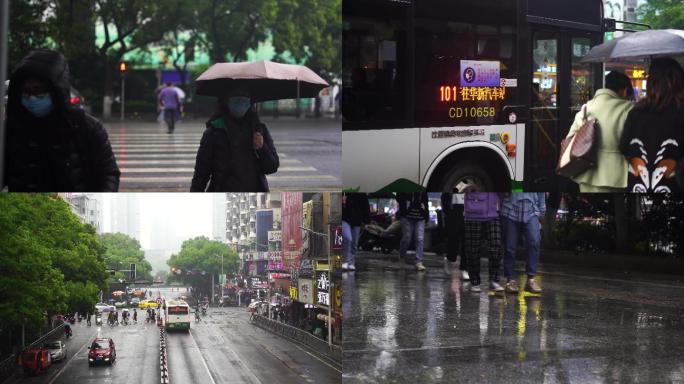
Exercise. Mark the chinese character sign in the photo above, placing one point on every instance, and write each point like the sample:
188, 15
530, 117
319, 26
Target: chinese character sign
323, 288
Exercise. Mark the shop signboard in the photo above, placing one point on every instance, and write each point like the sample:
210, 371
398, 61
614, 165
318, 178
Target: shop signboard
306, 291
293, 293
264, 223
336, 234
291, 234
306, 269
323, 289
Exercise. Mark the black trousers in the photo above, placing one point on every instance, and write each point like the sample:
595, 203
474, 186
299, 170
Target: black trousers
455, 232
476, 233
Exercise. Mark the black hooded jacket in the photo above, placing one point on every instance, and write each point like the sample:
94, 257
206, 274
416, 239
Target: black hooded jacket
227, 160
65, 151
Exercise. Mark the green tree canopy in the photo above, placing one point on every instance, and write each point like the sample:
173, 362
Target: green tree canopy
201, 254
120, 251
663, 14
45, 252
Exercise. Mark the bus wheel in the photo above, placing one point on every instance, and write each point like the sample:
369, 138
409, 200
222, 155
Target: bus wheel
466, 177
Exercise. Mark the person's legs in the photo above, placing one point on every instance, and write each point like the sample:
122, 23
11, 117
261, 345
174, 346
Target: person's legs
452, 239
406, 231
355, 232
472, 249
532, 241
493, 233
419, 238
509, 232
169, 118
346, 244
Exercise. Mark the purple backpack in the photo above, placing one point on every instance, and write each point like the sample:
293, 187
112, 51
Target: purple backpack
481, 206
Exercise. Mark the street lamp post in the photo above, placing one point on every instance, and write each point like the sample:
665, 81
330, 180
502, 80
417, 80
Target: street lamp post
330, 280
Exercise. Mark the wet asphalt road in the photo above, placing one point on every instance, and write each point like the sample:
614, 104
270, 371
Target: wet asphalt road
223, 348
137, 357
310, 153
588, 326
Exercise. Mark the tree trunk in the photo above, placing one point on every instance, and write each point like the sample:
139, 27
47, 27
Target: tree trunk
621, 223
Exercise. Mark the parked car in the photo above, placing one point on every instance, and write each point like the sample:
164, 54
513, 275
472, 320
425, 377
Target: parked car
101, 350
120, 304
57, 349
135, 301
35, 360
148, 304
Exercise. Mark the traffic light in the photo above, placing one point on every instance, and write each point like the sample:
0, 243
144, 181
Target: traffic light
132, 271
122, 67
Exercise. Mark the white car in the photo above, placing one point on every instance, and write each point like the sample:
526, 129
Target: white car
57, 349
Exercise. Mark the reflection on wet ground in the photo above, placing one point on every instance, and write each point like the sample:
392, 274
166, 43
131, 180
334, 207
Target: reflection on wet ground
406, 327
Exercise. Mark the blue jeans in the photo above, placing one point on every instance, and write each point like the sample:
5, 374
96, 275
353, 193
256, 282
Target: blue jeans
350, 242
531, 238
412, 229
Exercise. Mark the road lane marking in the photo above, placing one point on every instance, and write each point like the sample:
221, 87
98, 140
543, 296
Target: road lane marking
191, 170
135, 160
317, 358
142, 179
201, 356
73, 357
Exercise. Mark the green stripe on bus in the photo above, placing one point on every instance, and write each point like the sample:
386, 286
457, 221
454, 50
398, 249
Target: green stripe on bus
402, 185
516, 186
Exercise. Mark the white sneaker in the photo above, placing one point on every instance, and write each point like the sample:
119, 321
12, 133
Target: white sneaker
351, 267
465, 276
475, 288
495, 287
420, 267
345, 266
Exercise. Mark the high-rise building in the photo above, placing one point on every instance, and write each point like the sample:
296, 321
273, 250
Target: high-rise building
125, 214
218, 214
86, 207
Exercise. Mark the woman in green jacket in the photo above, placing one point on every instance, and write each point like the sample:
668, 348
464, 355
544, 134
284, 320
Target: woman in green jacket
610, 107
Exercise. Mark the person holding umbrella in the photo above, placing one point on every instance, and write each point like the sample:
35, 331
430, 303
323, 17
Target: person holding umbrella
236, 151
654, 131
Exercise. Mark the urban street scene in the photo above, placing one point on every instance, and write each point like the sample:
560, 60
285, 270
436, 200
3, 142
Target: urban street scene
222, 288
219, 96
513, 288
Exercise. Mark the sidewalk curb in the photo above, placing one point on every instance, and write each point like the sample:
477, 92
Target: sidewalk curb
332, 355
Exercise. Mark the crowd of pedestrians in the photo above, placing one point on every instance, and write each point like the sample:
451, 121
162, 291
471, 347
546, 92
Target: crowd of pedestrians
474, 221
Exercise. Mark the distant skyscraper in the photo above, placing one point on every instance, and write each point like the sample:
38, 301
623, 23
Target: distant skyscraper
125, 214
218, 215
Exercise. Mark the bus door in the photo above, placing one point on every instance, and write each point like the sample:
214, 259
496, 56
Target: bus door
560, 86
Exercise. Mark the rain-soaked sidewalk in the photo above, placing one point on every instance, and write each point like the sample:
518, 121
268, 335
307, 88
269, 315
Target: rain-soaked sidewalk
588, 326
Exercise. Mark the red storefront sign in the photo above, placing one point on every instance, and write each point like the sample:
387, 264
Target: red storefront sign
291, 211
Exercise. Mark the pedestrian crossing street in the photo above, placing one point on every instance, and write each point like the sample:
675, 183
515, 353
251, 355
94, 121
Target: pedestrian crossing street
152, 160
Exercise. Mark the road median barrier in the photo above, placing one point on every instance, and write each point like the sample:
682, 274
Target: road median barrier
332, 353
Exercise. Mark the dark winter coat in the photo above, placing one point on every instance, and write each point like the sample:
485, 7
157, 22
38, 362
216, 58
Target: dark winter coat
658, 139
65, 151
412, 205
356, 209
227, 160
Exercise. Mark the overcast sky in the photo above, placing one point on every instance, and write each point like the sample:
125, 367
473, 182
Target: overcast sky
181, 215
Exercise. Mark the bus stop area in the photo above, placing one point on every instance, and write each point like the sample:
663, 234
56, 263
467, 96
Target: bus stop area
591, 323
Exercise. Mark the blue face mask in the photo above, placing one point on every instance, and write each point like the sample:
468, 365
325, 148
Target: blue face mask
39, 105
238, 105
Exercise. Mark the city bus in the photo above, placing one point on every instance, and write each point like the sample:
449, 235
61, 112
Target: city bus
462, 95
177, 315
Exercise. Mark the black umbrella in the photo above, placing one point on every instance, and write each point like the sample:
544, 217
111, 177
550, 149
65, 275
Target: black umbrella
639, 45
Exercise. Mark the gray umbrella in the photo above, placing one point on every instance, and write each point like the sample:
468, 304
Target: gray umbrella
639, 45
